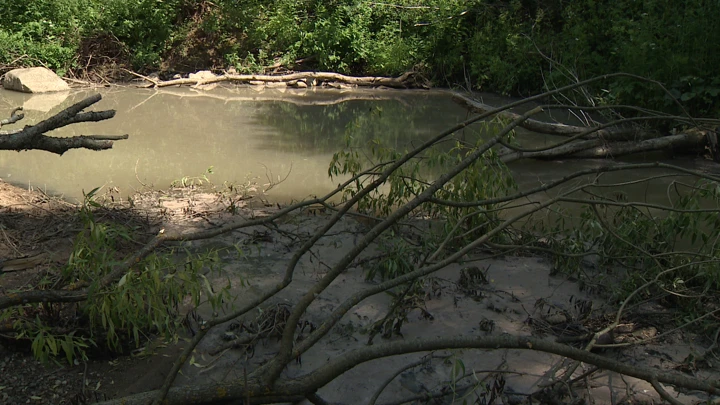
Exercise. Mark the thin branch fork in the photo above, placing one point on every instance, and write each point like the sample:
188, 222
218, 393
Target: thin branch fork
33, 136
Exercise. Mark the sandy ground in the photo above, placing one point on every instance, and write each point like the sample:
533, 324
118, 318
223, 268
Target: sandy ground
519, 297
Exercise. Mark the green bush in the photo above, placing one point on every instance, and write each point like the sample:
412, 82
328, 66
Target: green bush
42, 31
148, 301
512, 47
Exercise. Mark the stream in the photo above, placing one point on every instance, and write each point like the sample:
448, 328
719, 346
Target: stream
245, 135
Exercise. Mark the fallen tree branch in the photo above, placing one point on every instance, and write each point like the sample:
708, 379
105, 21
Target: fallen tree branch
32, 136
664, 394
598, 148
407, 80
549, 128
603, 141
359, 296
62, 145
236, 389
26, 297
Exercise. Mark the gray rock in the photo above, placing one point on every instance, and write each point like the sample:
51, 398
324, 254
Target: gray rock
34, 80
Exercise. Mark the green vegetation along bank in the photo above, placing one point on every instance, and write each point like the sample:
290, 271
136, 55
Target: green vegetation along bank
511, 47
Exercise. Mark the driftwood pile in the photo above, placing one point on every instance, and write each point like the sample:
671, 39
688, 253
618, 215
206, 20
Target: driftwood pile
294, 80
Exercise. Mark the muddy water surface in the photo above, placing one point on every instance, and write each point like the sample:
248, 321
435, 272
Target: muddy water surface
243, 134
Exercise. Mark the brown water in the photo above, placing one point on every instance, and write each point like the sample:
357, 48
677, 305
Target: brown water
242, 133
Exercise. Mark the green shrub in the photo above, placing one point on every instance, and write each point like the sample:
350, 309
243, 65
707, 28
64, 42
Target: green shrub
512, 47
149, 300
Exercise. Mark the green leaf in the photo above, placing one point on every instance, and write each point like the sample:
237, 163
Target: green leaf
687, 96
122, 281
52, 344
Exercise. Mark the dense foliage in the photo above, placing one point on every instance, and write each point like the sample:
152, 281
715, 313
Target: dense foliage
516, 46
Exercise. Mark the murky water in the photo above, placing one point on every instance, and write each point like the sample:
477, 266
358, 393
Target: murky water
241, 133
245, 135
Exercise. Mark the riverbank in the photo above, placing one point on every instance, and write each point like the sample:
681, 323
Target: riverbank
520, 297
508, 47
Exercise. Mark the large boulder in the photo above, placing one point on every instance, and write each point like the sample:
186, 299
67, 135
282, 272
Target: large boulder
34, 80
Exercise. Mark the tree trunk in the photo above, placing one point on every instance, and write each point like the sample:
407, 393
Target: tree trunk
692, 142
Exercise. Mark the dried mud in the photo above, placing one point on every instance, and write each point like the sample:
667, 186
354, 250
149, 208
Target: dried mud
513, 295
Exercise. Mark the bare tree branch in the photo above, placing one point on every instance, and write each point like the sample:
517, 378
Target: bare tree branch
15, 116
14, 299
33, 136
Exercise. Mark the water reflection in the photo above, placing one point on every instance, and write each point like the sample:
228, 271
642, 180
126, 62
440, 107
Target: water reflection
240, 132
